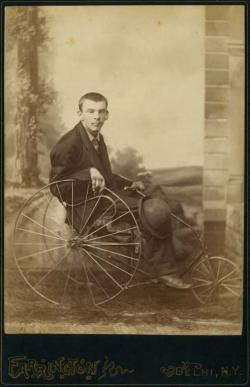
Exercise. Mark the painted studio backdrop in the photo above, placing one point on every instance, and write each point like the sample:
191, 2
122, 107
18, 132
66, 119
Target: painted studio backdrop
174, 80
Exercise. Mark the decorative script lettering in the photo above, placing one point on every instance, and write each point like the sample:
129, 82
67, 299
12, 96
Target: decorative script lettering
32, 369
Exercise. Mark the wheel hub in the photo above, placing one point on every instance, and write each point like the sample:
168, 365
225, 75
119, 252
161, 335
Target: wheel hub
73, 242
76, 242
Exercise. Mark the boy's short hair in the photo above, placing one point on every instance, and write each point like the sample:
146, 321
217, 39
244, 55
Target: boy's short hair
96, 97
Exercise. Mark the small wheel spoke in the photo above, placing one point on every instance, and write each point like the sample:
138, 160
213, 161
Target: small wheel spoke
103, 269
201, 294
40, 252
210, 266
207, 289
199, 286
207, 269
229, 288
199, 270
112, 252
203, 280
228, 275
232, 285
210, 293
230, 280
218, 270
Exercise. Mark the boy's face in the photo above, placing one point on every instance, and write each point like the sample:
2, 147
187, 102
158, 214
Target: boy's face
93, 115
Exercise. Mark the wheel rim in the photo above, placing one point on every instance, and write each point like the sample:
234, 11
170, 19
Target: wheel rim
51, 255
218, 279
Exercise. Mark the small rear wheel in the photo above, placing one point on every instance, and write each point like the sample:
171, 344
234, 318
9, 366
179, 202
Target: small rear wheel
216, 279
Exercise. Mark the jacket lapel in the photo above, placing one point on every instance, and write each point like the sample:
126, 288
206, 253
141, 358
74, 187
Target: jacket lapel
105, 158
98, 161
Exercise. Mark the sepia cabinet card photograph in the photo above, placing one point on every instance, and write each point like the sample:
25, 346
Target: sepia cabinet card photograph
124, 132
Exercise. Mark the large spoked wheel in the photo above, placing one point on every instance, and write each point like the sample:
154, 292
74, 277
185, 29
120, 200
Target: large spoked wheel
216, 279
67, 237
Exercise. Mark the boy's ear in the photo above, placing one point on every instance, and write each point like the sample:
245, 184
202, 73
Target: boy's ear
79, 113
107, 115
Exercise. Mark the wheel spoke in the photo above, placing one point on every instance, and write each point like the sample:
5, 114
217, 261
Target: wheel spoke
199, 286
37, 233
115, 243
67, 280
84, 207
207, 289
62, 202
232, 279
233, 285
40, 225
210, 294
88, 282
112, 252
105, 211
40, 252
39, 244
210, 265
103, 269
203, 280
91, 213
228, 275
199, 270
206, 267
111, 264
218, 270
51, 270
107, 224
125, 264
107, 262
53, 219
98, 283
228, 287
107, 235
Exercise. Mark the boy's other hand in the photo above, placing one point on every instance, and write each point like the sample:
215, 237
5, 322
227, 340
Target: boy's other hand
98, 181
138, 185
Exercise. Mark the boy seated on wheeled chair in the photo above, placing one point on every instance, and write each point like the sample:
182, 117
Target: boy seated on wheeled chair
81, 154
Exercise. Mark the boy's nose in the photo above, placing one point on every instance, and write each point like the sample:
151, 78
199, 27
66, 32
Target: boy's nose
96, 115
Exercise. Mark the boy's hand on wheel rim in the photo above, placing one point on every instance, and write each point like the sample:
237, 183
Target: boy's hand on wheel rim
98, 181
